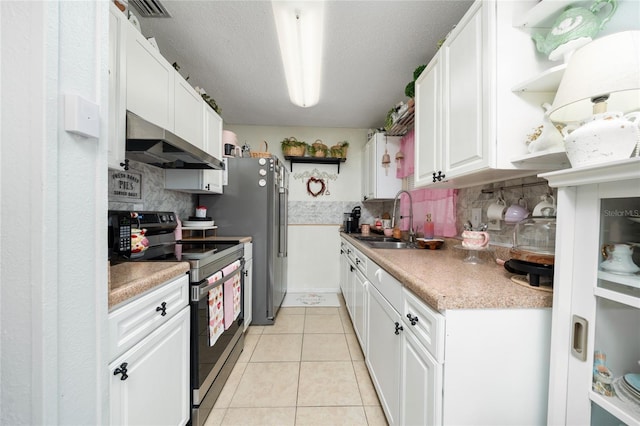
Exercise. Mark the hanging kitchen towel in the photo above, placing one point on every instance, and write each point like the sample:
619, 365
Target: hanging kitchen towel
216, 314
227, 270
215, 277
237, 296
228, 303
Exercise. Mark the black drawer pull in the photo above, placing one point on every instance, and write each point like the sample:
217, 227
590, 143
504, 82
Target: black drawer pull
414, 320
162, 309
121, 370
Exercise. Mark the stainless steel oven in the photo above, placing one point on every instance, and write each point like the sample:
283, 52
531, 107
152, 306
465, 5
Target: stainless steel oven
215, 268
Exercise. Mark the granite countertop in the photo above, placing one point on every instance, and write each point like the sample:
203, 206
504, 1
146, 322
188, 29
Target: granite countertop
130, 279
443, 281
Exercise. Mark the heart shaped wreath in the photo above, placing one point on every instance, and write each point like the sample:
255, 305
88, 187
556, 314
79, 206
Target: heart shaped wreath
318, 186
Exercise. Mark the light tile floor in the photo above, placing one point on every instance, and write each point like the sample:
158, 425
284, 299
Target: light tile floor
307, 369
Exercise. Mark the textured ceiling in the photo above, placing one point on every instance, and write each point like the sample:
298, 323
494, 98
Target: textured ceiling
230, 48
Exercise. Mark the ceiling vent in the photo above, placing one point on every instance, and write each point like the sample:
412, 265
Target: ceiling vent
150, 8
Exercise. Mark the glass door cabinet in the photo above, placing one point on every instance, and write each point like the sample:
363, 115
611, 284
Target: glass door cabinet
595, 348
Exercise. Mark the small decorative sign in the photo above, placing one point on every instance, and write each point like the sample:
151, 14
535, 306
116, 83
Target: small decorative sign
124, 186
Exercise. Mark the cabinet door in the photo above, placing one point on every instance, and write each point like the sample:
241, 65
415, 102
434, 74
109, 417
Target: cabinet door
428, 157
465, 149
213, 146
384, 353
117, 88
421, 384
150, 81
156, 388
365, 172
188, 113
360, 309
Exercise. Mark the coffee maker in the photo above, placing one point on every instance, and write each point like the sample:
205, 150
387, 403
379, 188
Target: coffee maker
351, 223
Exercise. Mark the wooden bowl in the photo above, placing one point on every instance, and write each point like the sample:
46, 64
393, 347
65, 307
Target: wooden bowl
431, 243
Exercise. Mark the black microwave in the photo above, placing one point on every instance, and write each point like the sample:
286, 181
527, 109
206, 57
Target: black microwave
119, 226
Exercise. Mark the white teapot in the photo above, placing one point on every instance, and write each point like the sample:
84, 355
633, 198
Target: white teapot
618, 259
605, 137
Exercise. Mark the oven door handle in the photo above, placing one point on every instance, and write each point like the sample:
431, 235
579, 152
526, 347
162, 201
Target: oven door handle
203, 287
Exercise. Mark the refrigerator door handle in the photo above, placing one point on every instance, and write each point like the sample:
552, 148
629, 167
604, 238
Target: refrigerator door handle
282, 225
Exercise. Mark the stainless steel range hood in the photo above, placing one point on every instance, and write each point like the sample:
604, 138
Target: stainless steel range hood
150, 144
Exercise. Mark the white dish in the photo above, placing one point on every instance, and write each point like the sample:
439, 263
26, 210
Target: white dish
198, 223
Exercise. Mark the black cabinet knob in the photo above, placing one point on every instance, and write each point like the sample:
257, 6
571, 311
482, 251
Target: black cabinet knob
399, 328
435, 178
121, 370
351, 268
357, 261
413, 319
162, 309
207, 187
125, 164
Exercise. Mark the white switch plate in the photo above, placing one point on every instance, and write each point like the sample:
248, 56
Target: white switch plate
81, 116
476, 217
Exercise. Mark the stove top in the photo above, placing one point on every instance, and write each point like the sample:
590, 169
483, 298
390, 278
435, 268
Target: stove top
207, 257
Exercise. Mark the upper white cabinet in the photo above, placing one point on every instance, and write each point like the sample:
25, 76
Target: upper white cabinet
427, 153
201, 181
379, 182
469, 123
150, 82
188, 113
117, 88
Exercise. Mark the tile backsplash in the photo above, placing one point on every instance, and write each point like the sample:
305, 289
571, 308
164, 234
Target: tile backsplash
155, 196
473, 197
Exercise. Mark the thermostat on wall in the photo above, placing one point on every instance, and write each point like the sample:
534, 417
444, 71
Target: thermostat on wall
81, 116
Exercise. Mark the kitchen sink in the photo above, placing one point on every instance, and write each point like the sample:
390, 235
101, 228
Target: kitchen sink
381, 242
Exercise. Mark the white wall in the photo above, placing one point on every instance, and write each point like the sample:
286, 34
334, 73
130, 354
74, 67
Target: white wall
314, 246
53, 297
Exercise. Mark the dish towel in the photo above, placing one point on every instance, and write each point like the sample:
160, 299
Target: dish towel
237, 290
229, 293
216, 310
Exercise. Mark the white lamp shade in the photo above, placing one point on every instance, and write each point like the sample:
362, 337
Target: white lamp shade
607, 66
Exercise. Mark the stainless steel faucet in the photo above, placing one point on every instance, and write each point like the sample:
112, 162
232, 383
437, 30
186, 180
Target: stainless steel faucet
412, 235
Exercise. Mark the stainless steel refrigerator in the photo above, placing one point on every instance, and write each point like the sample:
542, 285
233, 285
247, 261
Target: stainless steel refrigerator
254, 203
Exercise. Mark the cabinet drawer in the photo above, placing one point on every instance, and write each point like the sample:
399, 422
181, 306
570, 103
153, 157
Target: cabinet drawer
387, 285
132, 322
360, 261
428, 325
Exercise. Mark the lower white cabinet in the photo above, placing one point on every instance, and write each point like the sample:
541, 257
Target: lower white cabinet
421, 378
149, 368
460, 367
384, 353
150, 382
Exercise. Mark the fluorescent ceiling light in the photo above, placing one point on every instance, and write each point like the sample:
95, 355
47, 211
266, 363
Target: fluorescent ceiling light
300, 27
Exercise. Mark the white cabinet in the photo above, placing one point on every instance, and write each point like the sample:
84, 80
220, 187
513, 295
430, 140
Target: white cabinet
428, 157
384, 352
469, 123
149, 353
380, 182
201, 181
155, 389
595, 309
248, 284
117, 88
409, 346
188, 113
421, 401
150, 81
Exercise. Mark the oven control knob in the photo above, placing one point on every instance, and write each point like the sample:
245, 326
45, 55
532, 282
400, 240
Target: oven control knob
262, 172
262, 182
262, 161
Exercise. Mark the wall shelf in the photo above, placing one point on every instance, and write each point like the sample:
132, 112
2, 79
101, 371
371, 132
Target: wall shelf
315, 160
403, 124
